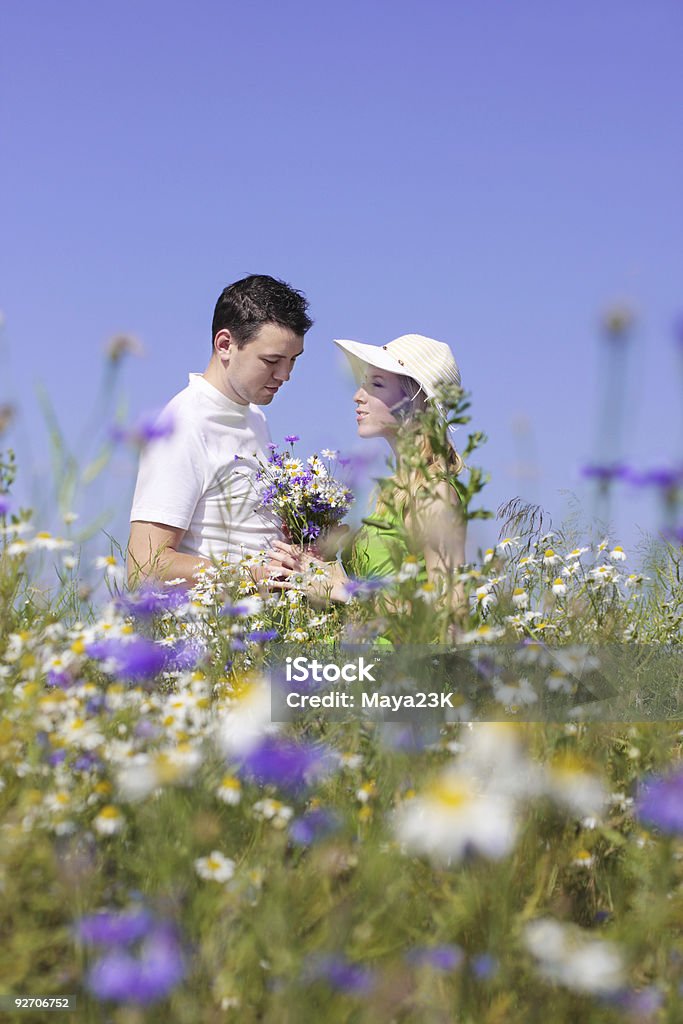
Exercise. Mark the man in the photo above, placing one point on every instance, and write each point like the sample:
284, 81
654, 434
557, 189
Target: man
195, 496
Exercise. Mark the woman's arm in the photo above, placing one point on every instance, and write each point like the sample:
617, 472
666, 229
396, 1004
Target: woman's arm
437, 521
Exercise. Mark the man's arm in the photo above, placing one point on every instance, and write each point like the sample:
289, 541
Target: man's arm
153, 552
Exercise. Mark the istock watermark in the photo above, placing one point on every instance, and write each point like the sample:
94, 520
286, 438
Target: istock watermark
302, 669
520, 682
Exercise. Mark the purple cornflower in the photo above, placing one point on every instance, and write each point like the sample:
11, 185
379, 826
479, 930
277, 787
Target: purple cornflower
114, 928
149, 427
446, 957
312, 826
146, 730
678, 330
61, 679
604, 474
407, 738
269, 494
95, 704
150, 975
662, 476
151, 600
292, 438
364, 587
86, 761
660, 803
261, 636
484, 966
138, 659
184, 655
339, 973
5, 505
236, 611
640, 1005
291, 766
134, 659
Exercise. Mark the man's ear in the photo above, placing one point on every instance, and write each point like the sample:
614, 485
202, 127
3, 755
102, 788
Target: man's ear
223, 342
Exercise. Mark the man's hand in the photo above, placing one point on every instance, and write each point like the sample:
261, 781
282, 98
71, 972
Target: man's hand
153, 551
323, 581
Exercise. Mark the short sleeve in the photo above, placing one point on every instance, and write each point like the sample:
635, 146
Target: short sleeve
171, 478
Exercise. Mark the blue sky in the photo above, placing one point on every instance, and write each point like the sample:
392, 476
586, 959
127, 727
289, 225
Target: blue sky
493, 175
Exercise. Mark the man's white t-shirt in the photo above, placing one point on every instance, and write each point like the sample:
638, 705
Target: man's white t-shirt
201, 478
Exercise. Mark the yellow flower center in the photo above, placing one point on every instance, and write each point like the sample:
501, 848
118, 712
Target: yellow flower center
110, 812
450, 792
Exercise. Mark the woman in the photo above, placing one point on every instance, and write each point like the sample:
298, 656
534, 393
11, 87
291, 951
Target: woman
418, 517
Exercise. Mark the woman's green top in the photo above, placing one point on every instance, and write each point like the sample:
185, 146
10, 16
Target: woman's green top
378, 548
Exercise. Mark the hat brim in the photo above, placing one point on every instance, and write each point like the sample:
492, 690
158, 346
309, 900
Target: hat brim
361, 355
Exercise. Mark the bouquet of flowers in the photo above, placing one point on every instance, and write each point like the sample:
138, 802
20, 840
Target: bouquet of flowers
305, 496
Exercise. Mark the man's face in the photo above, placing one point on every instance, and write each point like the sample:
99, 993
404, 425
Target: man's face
255, 372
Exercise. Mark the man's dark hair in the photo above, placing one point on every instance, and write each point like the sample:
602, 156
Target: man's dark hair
245, 306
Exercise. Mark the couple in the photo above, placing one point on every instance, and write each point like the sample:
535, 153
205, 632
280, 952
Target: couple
196, 497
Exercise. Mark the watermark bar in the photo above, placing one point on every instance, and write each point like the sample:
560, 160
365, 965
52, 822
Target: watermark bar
523, 682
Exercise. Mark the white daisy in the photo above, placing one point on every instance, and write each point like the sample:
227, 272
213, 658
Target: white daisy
274, 811
572, 957
577, 552
215, 867
229, 790
109, 821
451, 817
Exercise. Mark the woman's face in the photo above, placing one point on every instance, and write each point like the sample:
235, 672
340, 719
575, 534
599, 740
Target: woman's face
379, 392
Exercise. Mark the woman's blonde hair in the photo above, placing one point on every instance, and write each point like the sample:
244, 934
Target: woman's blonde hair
419, 403
411, 480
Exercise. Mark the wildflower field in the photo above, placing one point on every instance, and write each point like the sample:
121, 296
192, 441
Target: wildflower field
169, 851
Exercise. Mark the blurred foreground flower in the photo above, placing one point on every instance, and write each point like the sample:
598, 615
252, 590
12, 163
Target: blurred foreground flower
451, 819
439, 958
7, 414
151, 426
143, 977
139, 659
339, 973
123, 345
660, 803
151, 599
566, 954
246, 719
605, 473
144, 960
215, 868
312, 826
291, 766
618, 320
114, 928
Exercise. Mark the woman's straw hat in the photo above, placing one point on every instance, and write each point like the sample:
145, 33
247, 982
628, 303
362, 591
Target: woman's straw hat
428, 362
